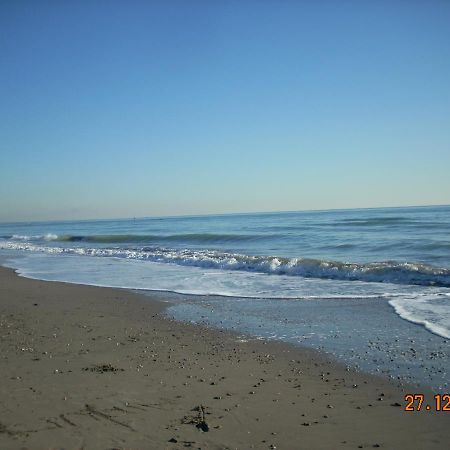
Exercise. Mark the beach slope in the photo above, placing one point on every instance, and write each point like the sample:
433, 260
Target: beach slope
85, 367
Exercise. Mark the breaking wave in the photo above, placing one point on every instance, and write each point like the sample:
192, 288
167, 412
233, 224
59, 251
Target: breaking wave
142, 238
383, 272
44, 237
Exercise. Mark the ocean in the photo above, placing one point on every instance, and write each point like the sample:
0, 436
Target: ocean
371, 287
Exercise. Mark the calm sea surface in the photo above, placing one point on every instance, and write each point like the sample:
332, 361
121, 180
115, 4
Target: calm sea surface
314, 278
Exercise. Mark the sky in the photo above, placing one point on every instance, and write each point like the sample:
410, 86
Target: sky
140, 108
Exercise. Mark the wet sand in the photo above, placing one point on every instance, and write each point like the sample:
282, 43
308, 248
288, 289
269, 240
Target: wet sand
98, 368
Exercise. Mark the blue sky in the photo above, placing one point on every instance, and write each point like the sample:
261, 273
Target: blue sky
139, 108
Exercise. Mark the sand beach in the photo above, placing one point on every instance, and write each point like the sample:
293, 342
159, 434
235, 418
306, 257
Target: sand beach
98, 368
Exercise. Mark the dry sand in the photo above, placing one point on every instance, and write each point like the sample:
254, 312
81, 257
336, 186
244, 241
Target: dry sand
97, 368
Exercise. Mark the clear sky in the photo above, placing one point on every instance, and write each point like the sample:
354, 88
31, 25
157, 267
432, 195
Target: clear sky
139, 108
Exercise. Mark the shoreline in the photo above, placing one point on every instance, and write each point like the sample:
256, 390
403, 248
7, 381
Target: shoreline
96, 367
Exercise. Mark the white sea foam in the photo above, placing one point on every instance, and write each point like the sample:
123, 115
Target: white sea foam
45, 237
431, 311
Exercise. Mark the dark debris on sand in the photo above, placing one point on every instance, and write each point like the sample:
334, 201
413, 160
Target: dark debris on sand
102, 368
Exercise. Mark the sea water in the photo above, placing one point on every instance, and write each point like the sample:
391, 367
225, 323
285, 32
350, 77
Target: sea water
370, 286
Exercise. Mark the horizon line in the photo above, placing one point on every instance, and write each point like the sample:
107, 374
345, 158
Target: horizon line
219, 214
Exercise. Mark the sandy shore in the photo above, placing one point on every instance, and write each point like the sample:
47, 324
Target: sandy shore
97, 368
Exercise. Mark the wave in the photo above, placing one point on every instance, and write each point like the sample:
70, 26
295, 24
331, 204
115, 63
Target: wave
376, 221
436, 246
431, 311
144, 238
44, 237
382, 272
388, 222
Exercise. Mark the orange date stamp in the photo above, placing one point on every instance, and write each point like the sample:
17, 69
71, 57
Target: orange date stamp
416, 402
